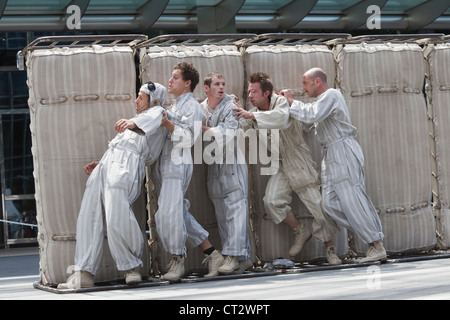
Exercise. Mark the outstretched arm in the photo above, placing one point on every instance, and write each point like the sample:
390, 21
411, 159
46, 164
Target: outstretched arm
288, 95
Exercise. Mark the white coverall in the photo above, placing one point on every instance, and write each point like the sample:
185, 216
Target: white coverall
112, 187
342, 173
173, 171
297, 171
228, 182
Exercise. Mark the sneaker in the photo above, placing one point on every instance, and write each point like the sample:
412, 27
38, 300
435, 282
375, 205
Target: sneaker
375, 252
176, 269
230, 264
332, 257
301, 236
215, 260
79, 279
132, 276
245, 265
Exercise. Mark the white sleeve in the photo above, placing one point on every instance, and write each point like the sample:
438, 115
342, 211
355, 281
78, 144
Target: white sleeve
185, 131
277, 118
315, 111
150, 120
228, 126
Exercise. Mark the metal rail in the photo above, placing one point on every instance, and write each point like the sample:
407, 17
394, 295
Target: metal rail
81, 41
243, 39
393, 38
297, 38
197, 39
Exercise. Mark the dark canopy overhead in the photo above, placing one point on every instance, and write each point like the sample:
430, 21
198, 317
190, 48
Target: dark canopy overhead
218, 16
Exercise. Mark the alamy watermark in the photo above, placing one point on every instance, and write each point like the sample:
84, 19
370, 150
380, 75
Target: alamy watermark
74, 20
374, 277
229, 148
374, 20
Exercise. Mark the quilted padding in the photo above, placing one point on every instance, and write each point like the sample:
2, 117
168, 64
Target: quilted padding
76, 96
383, 87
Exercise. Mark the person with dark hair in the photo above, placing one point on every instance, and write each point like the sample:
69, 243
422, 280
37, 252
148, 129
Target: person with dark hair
342, 176
114, 183
296, 172
174, 223
227, 178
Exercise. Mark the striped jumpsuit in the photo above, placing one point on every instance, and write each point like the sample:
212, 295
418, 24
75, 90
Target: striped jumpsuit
342, 173
297, 170
228, 182
112, 187
174, 223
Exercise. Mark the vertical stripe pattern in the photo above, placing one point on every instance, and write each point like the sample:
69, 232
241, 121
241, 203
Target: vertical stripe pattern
71, 123
439, 101
382, 85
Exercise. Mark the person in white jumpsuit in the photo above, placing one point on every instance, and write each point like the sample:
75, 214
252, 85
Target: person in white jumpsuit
342, 173
297, 170
227, 182
114, 183
174, 223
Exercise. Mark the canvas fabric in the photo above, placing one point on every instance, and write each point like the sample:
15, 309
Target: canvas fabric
383, 87
438, 94
75, 98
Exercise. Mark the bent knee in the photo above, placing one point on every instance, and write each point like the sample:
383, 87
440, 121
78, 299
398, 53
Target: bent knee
277, 210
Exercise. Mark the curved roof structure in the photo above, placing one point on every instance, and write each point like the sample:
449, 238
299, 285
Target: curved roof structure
218, 16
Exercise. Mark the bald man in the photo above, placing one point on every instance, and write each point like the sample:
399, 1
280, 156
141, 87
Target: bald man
342, 174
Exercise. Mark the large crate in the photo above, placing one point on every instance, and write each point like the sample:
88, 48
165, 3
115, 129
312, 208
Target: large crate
438, 93
76, 94
382, 83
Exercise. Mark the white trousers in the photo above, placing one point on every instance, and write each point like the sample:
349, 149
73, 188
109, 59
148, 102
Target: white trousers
278, 197
344, 193
227, 188
110, 190
174, 223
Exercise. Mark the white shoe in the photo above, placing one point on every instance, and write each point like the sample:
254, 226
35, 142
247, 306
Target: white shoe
375, 252
132, 276
301, 236
80, 279
215, 259
245, 265
332, 257
176, 269
230, 264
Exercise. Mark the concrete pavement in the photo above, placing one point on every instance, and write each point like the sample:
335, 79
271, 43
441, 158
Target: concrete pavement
421, 280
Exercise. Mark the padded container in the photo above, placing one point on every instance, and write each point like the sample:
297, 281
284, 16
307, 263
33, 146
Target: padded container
75, 98
383, 86
438, 85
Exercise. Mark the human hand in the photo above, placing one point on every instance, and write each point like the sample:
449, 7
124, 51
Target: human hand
287, 93
124, 124
90, 167
165, 122
241, 113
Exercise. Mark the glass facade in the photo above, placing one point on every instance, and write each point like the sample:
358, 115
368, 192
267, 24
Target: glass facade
182, 15
17, 183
